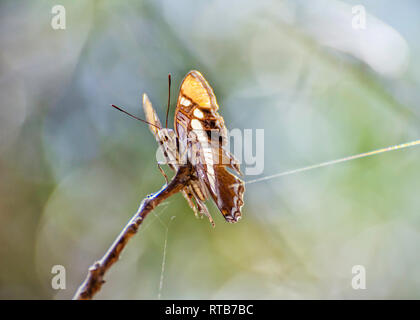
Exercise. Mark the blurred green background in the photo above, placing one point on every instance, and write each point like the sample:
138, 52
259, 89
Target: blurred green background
73, 170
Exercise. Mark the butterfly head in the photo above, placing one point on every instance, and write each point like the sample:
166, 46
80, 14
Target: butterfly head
168, 144
167, 136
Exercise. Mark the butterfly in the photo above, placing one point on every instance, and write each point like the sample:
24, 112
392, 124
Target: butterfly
199, 139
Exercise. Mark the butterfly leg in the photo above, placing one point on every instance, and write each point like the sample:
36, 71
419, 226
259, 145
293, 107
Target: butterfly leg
189, 197
203, 210
199, 206
163, 173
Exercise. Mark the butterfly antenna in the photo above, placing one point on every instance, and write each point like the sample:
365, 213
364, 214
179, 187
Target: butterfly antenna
119, 109
169, 99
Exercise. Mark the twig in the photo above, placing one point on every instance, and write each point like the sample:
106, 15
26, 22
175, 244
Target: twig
94, 279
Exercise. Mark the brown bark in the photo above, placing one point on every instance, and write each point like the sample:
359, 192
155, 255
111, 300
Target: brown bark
95, 277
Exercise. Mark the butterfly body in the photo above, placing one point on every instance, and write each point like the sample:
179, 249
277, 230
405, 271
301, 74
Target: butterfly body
198, 141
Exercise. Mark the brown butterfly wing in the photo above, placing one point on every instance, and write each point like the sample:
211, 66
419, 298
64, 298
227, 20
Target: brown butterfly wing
226, 191
196, 100
196, 119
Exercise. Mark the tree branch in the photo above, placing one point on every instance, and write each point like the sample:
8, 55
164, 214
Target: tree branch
94, 279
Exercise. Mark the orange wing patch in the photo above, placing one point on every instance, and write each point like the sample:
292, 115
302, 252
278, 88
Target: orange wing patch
196, 89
